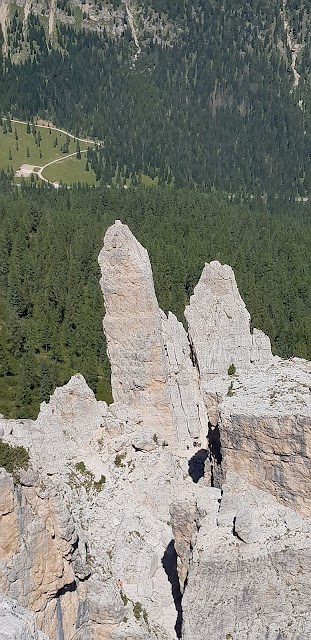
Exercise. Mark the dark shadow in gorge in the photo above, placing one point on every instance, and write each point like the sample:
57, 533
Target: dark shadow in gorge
169, 563
196, 465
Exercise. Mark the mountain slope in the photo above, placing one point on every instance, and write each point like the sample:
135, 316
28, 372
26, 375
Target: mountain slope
210, 94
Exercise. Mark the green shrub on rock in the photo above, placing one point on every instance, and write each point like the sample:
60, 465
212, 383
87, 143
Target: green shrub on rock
13, 458
137, 610
231, 370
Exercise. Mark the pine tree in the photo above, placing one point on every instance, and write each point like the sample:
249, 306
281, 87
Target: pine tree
78, 152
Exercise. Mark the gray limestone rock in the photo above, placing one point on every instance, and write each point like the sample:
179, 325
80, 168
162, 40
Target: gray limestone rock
219, 325
133, 329
265, 430
183, 519
249, 578
64, 425
88, 537
17, 623
183, 384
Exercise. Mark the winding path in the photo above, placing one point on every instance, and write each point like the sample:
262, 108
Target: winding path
48, 164
70, 135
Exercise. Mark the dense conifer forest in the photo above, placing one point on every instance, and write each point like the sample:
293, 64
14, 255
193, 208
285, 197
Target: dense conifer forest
210, 103
51, 304
216, 107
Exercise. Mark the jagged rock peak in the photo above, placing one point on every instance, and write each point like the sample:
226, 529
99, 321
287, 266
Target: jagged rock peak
219, 324
133, 329
64, 425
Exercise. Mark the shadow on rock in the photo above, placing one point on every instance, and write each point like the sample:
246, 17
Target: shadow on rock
196, 465
169, 562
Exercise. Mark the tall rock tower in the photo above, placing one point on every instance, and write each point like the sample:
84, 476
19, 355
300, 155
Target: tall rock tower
219, 325
133, 329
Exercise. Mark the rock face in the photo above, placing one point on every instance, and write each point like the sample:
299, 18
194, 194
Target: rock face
219, 325
183, 520
265, 430
250, 573
183, 384
64, 425
133, 331
152, 376
17, 623
39, 546
182, 510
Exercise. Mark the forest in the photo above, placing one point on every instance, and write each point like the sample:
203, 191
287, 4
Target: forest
51, 306
211, 104
210, 110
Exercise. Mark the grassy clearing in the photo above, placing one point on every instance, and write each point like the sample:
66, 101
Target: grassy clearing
78, 18
20, 147
149, 182
69, 171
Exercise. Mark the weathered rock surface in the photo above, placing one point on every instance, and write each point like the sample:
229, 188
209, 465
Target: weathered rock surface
183, 520
183, 384
39, 546
17, 623
265, 429
152, 375
250, 573
133, 331
68, 541
219, 325
64, 425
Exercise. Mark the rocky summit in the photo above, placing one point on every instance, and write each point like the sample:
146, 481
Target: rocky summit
182, 510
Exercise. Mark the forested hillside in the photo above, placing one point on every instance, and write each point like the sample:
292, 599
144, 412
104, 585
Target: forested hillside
51, 304
223, 100
213, 99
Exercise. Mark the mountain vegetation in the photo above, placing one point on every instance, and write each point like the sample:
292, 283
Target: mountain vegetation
214, 108
214, 103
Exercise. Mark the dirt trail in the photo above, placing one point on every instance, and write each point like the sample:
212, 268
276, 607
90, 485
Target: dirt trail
4, 10
70, 135
54, 162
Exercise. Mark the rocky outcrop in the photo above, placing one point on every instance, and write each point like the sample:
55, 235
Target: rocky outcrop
219, 325
133, 331
152, 376
17, 623
38, 552
249, 576
192, 482
183, 384
64, 425
183, 520
265, 430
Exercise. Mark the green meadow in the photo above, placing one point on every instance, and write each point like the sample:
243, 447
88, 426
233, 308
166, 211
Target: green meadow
70, 170
40, 146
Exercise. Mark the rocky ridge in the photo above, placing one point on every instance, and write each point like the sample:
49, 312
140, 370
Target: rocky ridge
181, 510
